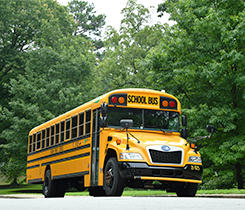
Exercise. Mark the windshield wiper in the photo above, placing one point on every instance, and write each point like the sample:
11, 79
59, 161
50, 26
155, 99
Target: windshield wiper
164, 130
134, 137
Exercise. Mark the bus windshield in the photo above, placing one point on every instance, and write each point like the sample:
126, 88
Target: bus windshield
144, 118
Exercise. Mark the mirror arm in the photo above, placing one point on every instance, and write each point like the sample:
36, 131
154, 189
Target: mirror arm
127, 146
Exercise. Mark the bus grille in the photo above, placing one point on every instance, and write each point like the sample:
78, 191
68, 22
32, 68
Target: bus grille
165, 157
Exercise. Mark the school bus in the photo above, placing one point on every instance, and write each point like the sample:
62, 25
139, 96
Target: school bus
127, 137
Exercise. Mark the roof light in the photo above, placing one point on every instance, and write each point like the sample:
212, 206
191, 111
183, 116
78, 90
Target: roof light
121, 100
114, 99
172, 104
165, 103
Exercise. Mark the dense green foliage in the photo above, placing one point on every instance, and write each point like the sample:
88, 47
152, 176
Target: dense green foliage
201, 60
127, 48
49, 76
48, 65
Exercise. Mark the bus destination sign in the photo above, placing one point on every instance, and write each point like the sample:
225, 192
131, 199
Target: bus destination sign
143, 100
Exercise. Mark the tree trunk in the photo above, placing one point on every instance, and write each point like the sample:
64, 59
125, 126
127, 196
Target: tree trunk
14, 183
239, 176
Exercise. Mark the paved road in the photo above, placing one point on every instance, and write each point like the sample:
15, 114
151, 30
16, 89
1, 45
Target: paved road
123, 203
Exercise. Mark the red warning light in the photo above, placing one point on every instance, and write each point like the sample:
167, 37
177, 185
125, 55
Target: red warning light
114, 99
172, 104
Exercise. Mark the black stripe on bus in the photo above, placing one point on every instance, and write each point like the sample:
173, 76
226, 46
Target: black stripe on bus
60, 153
60, 144
66, 159
34, 180
71, 175
35, 166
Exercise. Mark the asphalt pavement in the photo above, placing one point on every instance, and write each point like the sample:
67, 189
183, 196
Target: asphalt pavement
34, 196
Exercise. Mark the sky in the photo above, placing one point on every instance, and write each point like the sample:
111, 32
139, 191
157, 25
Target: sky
112, 10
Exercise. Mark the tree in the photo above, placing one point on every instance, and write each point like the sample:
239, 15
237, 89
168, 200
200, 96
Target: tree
24, 24
126, 48
55, 81
44, 71
201, 60
88, 24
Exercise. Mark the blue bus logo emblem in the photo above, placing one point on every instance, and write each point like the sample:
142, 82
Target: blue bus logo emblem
165, 148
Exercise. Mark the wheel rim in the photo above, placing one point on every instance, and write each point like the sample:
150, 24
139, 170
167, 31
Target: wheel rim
109, 178
46, 185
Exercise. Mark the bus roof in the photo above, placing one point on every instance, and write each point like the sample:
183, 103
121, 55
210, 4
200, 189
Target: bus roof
95, 102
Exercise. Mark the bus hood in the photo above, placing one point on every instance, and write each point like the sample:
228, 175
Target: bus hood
149, 138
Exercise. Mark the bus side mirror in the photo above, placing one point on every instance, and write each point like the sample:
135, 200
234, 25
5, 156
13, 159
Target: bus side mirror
126, 123
184, 133
184, 121
211, 129
103, 122
104, 109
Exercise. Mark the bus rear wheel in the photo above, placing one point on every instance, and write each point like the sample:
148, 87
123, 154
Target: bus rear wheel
49, 185
53, 188
113, 182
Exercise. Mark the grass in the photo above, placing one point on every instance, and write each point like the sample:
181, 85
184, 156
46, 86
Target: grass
37, 189
21, 189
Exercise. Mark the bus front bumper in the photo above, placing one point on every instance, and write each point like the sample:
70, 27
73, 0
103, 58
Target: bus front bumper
135, 170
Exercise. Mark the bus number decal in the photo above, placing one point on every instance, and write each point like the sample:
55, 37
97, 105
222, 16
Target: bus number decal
134, 99
195, 168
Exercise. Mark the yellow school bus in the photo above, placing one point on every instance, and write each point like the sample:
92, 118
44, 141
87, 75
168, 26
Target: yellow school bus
127, 137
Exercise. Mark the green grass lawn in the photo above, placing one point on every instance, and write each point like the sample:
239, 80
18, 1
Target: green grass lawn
33, 189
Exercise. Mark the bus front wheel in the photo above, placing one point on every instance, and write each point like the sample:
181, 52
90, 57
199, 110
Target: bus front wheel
186, 189
113, 182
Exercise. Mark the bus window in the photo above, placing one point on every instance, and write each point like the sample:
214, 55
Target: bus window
47, 136
68, 124
52, 135
74, 127
57, 132
43, 139
38, 140
62, 130
30, 144
81, 123
88, 122
34, 143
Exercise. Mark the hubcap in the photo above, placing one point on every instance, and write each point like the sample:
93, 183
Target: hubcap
109, 177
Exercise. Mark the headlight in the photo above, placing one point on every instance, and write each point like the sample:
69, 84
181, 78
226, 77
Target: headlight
195, 159
130, 156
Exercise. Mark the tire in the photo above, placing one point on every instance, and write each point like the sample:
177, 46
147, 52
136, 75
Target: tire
113, 183
186, 189
61, 188
97, 192
49, 185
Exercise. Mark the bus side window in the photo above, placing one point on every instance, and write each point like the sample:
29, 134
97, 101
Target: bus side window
47, 136
38, 140
43, 139
62, 130
30, 144
57, 132
81, 123
88, 122
74, 127
68, 124
34, 143
52, 135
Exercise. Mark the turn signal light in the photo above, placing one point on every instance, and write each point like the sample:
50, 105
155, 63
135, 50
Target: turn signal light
193, 146
119, 141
